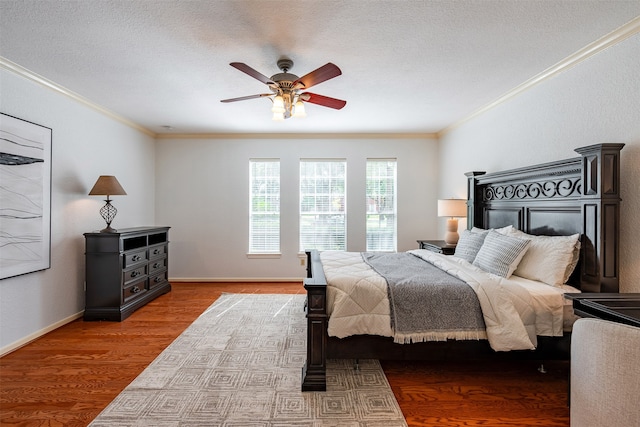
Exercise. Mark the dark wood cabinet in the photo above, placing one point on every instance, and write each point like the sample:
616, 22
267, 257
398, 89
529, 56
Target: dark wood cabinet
124, 271
439, 246
615, 307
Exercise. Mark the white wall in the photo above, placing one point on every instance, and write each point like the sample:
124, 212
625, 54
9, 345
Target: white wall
85, 144
595, 102
202, 193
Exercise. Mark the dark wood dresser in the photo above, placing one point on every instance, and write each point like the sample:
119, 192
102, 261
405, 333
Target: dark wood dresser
124, 271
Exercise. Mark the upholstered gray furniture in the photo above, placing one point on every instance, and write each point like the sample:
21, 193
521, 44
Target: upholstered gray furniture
605, 374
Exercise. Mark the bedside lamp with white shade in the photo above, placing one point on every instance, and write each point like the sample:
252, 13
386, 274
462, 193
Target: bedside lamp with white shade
453, 209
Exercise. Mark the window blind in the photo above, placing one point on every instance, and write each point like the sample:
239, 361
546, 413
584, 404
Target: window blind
381, 223
264, 210
323, 204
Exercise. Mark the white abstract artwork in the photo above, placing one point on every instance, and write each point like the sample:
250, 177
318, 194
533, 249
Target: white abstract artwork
25, 197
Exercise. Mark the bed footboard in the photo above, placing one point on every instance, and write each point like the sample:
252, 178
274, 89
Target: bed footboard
314, 371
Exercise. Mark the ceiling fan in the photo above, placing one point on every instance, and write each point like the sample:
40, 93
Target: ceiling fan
287, 89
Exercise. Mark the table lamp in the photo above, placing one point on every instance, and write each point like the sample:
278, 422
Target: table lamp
107, 185
454, 209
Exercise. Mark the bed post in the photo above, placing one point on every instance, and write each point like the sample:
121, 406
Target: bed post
600, 200
474, 201
314, 372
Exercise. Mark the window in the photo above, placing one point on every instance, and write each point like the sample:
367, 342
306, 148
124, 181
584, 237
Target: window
322, 204
264, 212
381, 205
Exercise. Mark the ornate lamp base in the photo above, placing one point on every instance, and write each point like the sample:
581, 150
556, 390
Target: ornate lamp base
108, 212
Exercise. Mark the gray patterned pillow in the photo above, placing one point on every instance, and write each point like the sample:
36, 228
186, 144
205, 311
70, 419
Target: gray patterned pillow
469, 244
500, 254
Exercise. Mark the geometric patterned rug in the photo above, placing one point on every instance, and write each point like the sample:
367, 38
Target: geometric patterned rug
240, 364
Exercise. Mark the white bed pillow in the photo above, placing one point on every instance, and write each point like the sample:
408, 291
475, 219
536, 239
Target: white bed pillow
548, 258
574, 262
500, 254
469, 244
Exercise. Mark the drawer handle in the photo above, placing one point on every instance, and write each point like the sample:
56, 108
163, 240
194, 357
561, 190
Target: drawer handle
157, 265
156, 251
135, 258
157, 279
135, 273
135, 290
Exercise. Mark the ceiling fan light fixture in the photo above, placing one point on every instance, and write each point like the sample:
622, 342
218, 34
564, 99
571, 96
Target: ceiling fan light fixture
278, 117
278, 105
299, 110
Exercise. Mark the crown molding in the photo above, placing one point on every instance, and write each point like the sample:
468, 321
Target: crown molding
301, 135
43, 81
620, 34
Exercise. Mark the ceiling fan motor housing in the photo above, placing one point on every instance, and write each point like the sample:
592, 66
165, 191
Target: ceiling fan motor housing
285, 79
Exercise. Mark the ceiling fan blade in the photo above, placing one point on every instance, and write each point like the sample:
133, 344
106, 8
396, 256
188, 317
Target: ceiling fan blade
325, 101
322, 74
242, 98
253, 73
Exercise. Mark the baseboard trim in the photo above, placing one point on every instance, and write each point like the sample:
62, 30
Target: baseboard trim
34, 336
234, 279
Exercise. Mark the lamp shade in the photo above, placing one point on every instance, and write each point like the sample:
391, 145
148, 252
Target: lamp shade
107, 185
299, 110
278, 105
452, 208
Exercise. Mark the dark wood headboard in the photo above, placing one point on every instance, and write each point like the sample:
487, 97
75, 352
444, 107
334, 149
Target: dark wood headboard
578, 195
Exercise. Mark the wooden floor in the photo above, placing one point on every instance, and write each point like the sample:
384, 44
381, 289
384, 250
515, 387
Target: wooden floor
480, 393
68, 376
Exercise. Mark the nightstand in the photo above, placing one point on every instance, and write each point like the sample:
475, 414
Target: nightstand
439, 246
621, 308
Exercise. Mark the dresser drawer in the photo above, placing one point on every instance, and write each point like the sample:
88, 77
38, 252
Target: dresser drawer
134, 290
157, 265
129, 276
134, 257
157, 251
157, 279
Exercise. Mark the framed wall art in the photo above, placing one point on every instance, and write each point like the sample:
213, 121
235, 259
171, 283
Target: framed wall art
25, 197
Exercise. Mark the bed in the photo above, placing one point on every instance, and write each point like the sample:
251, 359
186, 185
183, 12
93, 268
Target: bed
573, 197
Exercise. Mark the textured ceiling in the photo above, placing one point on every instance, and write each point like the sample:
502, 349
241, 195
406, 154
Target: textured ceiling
408, 66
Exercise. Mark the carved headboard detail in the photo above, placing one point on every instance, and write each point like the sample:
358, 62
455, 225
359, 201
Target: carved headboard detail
578, 195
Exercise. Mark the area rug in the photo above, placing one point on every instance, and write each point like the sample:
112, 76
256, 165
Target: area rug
239, 364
